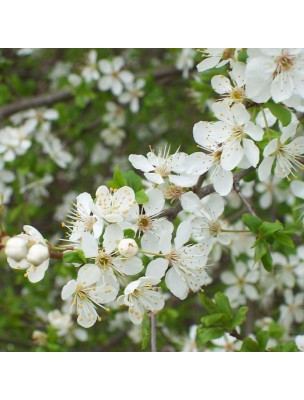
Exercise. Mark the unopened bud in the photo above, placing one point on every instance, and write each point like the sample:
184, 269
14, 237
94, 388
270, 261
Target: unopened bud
128, 247
37, 254
16, 248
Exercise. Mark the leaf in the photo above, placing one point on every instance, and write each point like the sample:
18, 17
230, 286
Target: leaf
133, 180
212, 319
283, 239
129, 234
238, 318
275, 330
252, 222
141, 197
249, 345
269, 228
282, 113
262, 338
74, 257
260, 250
223, 304
267, 261
118, 179
208, 304
204, 335
145, 332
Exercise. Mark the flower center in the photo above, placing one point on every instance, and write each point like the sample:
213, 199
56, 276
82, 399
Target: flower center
237, 94
103, 260
173, 257
237, 132
162, 170
214, 228
173, 192
144, 223
284, 62
89, 223
227, 54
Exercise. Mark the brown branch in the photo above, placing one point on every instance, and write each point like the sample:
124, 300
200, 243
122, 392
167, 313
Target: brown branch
237, 188
172, 212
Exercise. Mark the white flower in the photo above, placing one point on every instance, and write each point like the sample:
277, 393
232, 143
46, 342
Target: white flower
90, 71
215, 58
186, 263
114, 78
293, 310
140, 296
35, 117
16, 248
271, 192
82, 219
227, 343
276, 73
240, 283
86, 295
185, 61
231, 92
36, 260
159, 167
285, 269
189, 343
115, 115
132, 94
299, 340
113, 136
127, 248
286, 157
206, 226
112, 206
100, 154
61, 322
13, 142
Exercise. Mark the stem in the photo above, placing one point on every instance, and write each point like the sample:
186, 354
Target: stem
151, 254
236, 230
153, 332
266, 124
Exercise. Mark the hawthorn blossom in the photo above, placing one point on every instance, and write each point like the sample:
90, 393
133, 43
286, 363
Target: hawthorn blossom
232, 92
240, 283
34, 256
114, 78
185, 61
62, 323
227, 343
86, 295
287, 158
184, 266
270, 192
13, 142
133, 92
206, 226
276, 73
158, 167
286, 269
293, 309
115, 115
113, 136
90, 72
215, 58
141, 296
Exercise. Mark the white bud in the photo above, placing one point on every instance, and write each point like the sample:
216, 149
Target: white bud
128, 247
16, 248
37, 254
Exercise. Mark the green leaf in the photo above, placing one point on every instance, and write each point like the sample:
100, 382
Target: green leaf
133, 180
238, 318
74, 257
208, 304
249, 345
204, 335
269, 228
145, 332
267, 261
282, 113
283, 239
212, 319
260, 250
141, 197
118, 179
275, 330
252, 222
223, 304
262, 338
129, 234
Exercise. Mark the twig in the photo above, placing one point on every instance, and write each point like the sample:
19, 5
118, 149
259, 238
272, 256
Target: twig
153, 332
237, 188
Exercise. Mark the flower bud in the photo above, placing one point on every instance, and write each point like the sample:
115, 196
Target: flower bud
128, 247
37, 254
16, 248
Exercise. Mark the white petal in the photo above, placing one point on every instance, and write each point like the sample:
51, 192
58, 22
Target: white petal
141, 163
157, 268
221, 84
68, 289
251, 151
176, 285
183, 234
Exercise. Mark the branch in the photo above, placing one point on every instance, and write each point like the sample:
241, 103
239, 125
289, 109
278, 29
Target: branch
237, 188
172, 212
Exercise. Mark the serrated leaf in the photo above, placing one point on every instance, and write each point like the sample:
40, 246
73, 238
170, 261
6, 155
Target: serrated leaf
283, 239
252, 222
145, 332
208, 320
282, 113
118, 179
204, 335
269, 228
223, 304
133, 180
238, 318
141, 197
